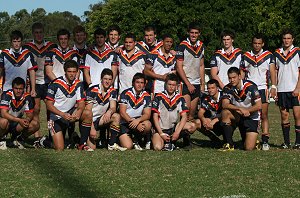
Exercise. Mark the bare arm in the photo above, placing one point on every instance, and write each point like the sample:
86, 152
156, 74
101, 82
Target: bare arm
149, 72
49, 72
86, 75
181, 73
214, 75
202, 74
156, 123
32, 82
115, 70
181, 123
123, 113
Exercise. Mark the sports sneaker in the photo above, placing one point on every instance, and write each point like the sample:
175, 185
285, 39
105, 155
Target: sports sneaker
296, 146
265, 146
116, 147
257, 145
285, 146
19, 144
136, 146
39, 142
85, 147
3, 145
168, 147
148, 146
227, 147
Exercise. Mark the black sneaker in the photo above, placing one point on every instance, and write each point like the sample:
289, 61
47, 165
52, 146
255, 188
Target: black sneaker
296, 147
285, 146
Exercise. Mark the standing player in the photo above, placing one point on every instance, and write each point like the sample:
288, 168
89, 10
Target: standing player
65, 101
170, 117
258, 65
14, 103
287, 60
241, 104
190, 68
225, 58
135, 111
114, 35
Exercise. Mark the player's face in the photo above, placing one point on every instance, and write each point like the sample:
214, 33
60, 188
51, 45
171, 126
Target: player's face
80, 37
167, 44
16, 44
100, 40
71, 74
212, 89
234, 79
63, 41
287, 40
139, 85
129, 44
150, 37
106, 81
171, 86
257, 44
113, 37
18, 90
38, 35
193, 35
227, 42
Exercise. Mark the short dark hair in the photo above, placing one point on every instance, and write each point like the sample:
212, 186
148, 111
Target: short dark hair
233, 70
37, 25
16, 34
138, 76
78, 28
100, 31
149, 28
130, 35
18, 81
172, 77
259, 36
213, 81
194, 25
287, 31
106, 71
167, 36
62, 32
70, 64
114, 28
227, 33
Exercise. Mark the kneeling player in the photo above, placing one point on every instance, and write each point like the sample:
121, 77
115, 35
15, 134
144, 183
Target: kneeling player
166, 106
14, 103
63, 94
135, 111
241, 104
102, 101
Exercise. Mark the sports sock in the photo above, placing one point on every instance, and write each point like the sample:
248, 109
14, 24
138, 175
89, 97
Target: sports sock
102, 136
228, 132
114, 130
71, 130
286, 132
297, 130
265, 138
85, 129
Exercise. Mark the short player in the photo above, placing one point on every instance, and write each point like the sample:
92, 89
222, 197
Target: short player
225, 58
135, 111
258, 65
170, 117
102, 102
287, 61
241, 105
190, 68
17, 114
65, 101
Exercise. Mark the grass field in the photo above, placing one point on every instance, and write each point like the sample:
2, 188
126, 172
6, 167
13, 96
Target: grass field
200, 172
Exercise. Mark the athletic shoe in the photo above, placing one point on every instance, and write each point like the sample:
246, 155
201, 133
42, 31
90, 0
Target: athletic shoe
285, 146
85, 147
39, 142
3, 145
296, 146
136, 146
227, 147
169, 147
265, 146
101, 144
257, 145
19, 144
148, 146
116, 147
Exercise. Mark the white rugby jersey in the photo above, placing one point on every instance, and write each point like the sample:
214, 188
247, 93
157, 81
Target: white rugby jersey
141, 45
191, 56
288, 69
224, 61
257, 67
16, 64
128, 67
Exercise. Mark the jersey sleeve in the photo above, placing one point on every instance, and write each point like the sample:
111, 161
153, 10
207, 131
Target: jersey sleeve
213, 61
243, 63
5, 99
29, 104
183, 106
155, 104
1, 60
180, 53
115, 61
148, 101
254, 93
272, 59
89, 96
114, 95
150, 58
123, 98
33, 63
52, 88
49, 58
87, 61
80, 96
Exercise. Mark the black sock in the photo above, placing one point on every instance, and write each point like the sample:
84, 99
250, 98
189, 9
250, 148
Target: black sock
114, 130
85, 129
71, 130
137, 137
102, 136
297, 130
228, 132
265, 138
186, 138
286, 133
148, 137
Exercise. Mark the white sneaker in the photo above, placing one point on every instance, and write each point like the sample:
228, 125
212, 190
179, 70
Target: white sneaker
265, 147
18, 144
3, 145
148, 146
136, 146
116, 147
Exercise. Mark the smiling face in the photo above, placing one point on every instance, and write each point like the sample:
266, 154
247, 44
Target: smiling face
107, 81
80, 38
194, 35
113, 37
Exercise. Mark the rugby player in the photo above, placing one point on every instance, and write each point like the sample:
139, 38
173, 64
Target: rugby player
150, 43
114, 36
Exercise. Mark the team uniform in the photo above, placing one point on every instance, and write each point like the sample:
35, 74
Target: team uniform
81, 53
128, 67
257, 68
160, 65
224, 61
39, 55
141, 45
16, 64
65, 97
191, 56
288, 72
245, 97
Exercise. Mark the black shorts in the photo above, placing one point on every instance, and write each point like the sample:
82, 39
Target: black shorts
124, 129
247, 124
41, 91
99, 127
58, 125
12, 126
287, 100
217, 129
264, 95
185, 91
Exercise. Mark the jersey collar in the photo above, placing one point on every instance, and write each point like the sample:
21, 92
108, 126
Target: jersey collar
259, 53
196, 44
224, 52
282, 50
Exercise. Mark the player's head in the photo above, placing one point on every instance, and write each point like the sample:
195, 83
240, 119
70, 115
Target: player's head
79, 34
106, 78
234, 76
16, 38
114, 34
171, 83
227, 38
150, 34
100, 37
212, 87
167, 40
37, 30
138, 82
71, 68
194, 32
130, 41
63, 37
258, 42
18, 86
287, 36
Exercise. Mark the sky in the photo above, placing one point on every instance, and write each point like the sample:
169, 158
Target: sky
77, 7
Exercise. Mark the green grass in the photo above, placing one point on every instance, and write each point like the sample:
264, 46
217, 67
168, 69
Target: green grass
201, 172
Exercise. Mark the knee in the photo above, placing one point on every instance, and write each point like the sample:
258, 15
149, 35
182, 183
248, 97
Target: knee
157, 147
4, 123
116, 117
87, 115
191, 128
